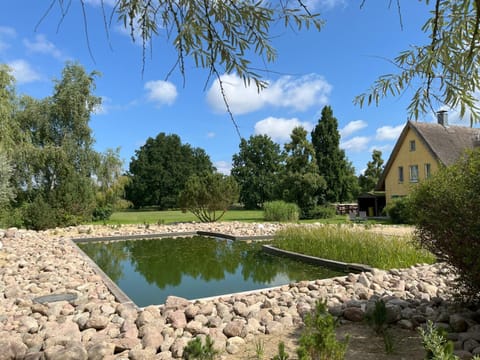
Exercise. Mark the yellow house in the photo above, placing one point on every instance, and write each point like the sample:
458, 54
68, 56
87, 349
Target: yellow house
420, 150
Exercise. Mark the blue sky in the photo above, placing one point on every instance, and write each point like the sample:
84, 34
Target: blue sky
313, 69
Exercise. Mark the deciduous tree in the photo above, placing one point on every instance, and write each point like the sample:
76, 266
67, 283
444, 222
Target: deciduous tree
301, 182
6, 190
369, 179
7, 135
160, 169
110, 185
208, 195
256, 168
56, 162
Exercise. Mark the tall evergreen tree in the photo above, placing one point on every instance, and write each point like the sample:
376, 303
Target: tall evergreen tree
256, 168
369, 179
332, 164
160, 169
300, 182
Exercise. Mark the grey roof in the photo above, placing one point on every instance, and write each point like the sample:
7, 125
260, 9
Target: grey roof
446, 143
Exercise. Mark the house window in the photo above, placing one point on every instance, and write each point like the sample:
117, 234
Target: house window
414, 173
412, 145
427, 171
400, 174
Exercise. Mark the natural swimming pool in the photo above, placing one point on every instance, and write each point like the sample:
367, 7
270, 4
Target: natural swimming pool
194, 267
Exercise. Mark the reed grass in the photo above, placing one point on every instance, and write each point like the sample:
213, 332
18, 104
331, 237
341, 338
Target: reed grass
353, 246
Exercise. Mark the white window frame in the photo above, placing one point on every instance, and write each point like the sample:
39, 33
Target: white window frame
413, 173
428, 170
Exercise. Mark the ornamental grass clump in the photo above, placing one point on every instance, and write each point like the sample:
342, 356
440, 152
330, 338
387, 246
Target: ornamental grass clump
280, 211
353, 246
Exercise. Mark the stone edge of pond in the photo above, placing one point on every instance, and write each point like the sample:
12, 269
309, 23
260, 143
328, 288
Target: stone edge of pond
119, 294
346, 267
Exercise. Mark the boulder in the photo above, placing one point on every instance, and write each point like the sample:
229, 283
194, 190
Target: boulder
177, 319
235, 328
355, 314
100, 350
235, 344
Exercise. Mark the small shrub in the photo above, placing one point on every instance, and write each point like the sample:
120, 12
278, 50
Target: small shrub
282, 355
12, 217
259, 349
435, 344
322, 212
447, 208
399, 211
280, 211
318, 340
377, 319
102, 213
196, 350
39, 215
208, 196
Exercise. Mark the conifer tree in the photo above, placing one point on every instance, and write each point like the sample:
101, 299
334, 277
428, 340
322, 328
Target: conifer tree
332, 163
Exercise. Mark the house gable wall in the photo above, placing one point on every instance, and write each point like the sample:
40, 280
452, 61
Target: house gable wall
406, 158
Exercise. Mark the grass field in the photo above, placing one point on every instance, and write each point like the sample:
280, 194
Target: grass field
173, 216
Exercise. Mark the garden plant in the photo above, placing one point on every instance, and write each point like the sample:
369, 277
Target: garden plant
352, 246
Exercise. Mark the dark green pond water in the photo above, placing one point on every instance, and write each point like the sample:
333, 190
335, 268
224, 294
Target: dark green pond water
150, 270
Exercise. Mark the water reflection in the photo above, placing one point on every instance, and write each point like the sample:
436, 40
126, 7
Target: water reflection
150, 270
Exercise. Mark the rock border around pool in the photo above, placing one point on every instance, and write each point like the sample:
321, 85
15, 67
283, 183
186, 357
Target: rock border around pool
96, 326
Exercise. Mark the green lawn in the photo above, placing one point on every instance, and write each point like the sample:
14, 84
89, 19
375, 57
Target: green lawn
172, 216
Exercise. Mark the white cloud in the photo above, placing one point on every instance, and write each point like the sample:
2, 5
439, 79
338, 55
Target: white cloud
223, 167
352, 127
323, 4
23, 72
355, 144
42, 46
288, 92
211, 135
161, 92
279, 129
6, 33
385, 149
107, 106
389, 132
